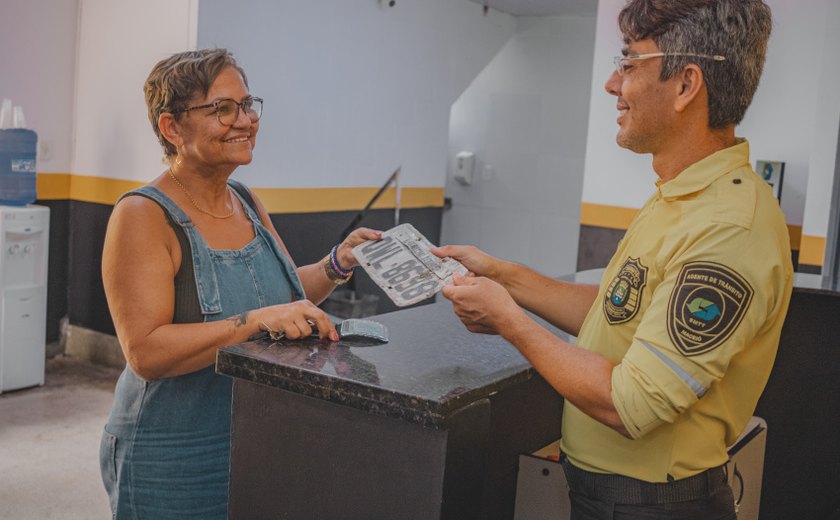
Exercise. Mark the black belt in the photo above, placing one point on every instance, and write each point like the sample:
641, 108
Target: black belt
627, 490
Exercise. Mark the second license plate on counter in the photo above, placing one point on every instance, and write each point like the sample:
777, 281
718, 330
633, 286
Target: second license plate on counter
404, 267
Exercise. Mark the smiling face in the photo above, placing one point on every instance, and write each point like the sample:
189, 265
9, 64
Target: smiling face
208, 143
644, 102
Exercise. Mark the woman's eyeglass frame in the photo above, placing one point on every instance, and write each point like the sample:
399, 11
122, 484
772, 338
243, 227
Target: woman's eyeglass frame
251, 105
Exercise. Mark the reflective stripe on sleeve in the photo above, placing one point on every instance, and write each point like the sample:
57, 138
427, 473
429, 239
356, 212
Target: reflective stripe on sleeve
695, 385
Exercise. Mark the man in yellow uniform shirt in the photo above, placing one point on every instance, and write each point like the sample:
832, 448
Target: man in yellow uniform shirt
676, 345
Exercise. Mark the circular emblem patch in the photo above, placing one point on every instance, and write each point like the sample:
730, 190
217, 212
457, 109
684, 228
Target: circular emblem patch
708, 302
624, 295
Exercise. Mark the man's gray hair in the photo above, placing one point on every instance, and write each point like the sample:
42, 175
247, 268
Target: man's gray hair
735, 29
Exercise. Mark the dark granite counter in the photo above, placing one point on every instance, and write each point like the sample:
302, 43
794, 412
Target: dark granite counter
431, 366
428, 425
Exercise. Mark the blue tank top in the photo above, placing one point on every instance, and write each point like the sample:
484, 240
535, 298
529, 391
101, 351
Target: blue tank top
165, 451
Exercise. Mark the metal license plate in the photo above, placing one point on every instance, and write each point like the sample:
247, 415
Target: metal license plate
404, 267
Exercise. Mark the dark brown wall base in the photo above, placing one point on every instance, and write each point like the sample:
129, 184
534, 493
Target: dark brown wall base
810, 269
77, 235
77, 232
86, 297
57, 265
596, 246
802, 462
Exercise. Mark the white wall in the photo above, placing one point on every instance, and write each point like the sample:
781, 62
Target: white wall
119, 43
791, 104
613, 176
37, 71
525, 118
781, 122
353, 89
827, 117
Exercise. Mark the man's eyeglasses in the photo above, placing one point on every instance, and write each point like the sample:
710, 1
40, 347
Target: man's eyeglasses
622, 61
227, 110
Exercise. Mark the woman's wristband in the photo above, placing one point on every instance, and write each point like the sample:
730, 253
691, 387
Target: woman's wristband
336, 265
336, 274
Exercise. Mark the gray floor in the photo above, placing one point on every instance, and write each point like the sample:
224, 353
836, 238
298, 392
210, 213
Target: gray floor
49, 444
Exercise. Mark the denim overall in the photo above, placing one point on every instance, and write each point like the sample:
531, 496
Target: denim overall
165, 451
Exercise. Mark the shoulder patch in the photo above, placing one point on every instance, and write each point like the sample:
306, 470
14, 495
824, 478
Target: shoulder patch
707, 304
624, 294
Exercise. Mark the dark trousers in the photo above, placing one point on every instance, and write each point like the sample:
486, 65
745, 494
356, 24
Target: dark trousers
593, 496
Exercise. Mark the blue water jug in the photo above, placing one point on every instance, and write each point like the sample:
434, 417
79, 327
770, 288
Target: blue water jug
17, 166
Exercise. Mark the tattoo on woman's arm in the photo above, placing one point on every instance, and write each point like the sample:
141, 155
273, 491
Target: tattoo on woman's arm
240, 319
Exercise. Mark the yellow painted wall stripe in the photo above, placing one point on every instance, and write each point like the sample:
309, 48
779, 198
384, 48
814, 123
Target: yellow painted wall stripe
616, 217
53, 186
103, 190
795, 233
99, 189
812, 251
313, 200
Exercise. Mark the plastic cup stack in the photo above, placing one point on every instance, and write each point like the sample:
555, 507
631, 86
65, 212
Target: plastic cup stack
11, 117
6, 114
18, 121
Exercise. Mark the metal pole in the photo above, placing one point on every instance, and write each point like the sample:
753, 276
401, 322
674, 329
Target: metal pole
359, 216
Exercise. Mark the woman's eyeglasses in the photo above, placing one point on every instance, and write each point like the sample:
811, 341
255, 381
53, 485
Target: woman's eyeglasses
227, 110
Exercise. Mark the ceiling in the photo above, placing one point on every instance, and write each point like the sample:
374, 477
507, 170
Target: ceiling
544, 7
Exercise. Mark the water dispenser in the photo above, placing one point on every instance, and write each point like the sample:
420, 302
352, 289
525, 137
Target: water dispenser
24, 241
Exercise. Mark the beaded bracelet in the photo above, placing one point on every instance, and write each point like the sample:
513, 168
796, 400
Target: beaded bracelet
344, 273
333, 269
333, 276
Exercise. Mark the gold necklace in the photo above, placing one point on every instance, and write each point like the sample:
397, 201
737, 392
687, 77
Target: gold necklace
195, 204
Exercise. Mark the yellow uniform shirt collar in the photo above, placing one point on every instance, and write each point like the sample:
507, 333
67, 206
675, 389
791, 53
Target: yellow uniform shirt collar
701, 174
